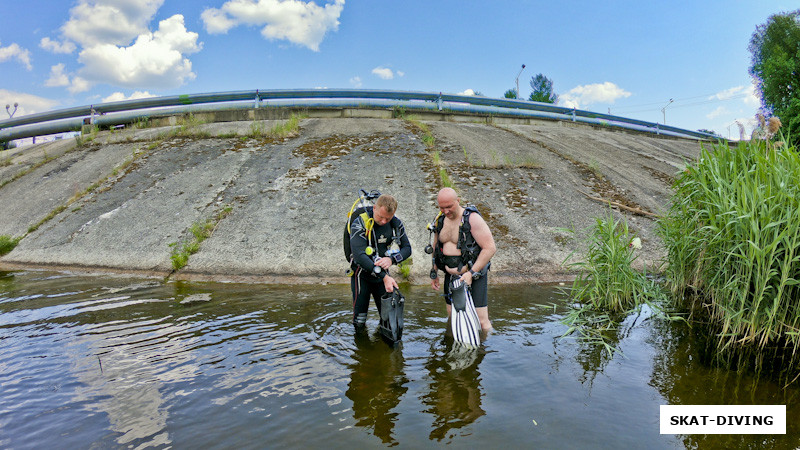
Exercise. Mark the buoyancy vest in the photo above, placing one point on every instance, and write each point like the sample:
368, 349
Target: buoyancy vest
466, 242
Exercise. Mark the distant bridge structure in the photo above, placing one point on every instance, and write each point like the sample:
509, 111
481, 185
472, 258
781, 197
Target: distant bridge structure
130, 111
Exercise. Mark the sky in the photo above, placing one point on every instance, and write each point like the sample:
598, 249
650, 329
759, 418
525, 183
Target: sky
683, 63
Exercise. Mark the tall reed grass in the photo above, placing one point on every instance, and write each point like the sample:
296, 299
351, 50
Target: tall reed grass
607, 287
733, 241
607, 280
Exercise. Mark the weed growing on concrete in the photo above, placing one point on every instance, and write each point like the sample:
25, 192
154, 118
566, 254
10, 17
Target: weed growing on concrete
405, 267
141, 122
445, 178
430, 142
85, 139
289, 128
466, 156
187, 127
199, 232
256, 130
56, 211
7, 243
5, 162
91, 188
28, 170
399, 112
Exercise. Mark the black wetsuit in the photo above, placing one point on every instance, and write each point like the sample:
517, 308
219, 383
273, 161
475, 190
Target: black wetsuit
365, 282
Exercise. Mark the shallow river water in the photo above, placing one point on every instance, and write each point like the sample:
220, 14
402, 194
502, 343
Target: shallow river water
113, 362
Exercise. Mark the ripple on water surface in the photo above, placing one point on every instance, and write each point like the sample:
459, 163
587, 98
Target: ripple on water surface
115, 361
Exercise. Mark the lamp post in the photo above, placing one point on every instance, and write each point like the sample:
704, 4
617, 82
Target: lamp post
517, 79
664, 111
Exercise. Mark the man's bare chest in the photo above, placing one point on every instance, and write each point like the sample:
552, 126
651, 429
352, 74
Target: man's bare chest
449, 232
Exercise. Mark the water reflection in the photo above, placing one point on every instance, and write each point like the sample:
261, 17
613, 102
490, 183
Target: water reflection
377, 383
454, 394
683, 374
109, 362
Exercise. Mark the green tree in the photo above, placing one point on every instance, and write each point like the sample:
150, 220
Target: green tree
542, 89
511, 93
775, 67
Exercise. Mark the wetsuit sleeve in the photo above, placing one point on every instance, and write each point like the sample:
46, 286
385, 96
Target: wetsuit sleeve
359, 244
405, 244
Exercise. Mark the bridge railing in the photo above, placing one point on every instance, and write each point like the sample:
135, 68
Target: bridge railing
127, 111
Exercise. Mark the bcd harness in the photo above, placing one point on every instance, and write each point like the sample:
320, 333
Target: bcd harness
466, 242
362, 208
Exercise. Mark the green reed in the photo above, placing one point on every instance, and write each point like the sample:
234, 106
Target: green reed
607, 280
733, 241
607, 287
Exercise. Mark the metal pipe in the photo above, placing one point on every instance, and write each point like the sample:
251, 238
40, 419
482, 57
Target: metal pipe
130, 110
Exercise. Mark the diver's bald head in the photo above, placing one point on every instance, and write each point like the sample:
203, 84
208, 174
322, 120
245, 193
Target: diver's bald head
448, 194
448, 203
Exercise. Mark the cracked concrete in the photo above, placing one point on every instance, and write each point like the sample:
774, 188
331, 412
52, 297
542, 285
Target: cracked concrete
289, 196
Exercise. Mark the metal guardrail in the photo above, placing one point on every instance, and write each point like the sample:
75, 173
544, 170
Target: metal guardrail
128, 111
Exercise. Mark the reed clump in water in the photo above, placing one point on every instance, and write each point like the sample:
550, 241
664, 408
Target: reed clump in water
607, 280
608, 288
733, 242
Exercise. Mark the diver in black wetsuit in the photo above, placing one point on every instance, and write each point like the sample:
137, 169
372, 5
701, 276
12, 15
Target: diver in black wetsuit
377, 240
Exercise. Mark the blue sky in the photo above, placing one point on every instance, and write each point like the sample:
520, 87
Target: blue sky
626, 57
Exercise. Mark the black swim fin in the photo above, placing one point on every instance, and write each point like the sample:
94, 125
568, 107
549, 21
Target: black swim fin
391, 327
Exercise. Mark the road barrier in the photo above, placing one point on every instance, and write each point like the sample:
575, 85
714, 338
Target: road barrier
130, 111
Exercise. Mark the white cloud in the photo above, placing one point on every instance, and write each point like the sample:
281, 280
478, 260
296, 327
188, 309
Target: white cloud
154, 60
79, 84
727, 94
119, 96
588, 94
57, 47
299, 22
15, 51
217, 21
116, 22
356, 82
27, 103
467, 92
746, 93
57, 77
717, 112
751, 99
118, 47
383, 73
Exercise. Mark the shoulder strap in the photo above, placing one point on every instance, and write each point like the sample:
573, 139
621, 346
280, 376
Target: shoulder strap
364, 212
438, 222
469, 209
369, 222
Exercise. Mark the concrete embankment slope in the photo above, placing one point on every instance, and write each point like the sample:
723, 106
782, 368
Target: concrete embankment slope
121, 201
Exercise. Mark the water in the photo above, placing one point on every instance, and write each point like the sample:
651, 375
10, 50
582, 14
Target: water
112, 362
